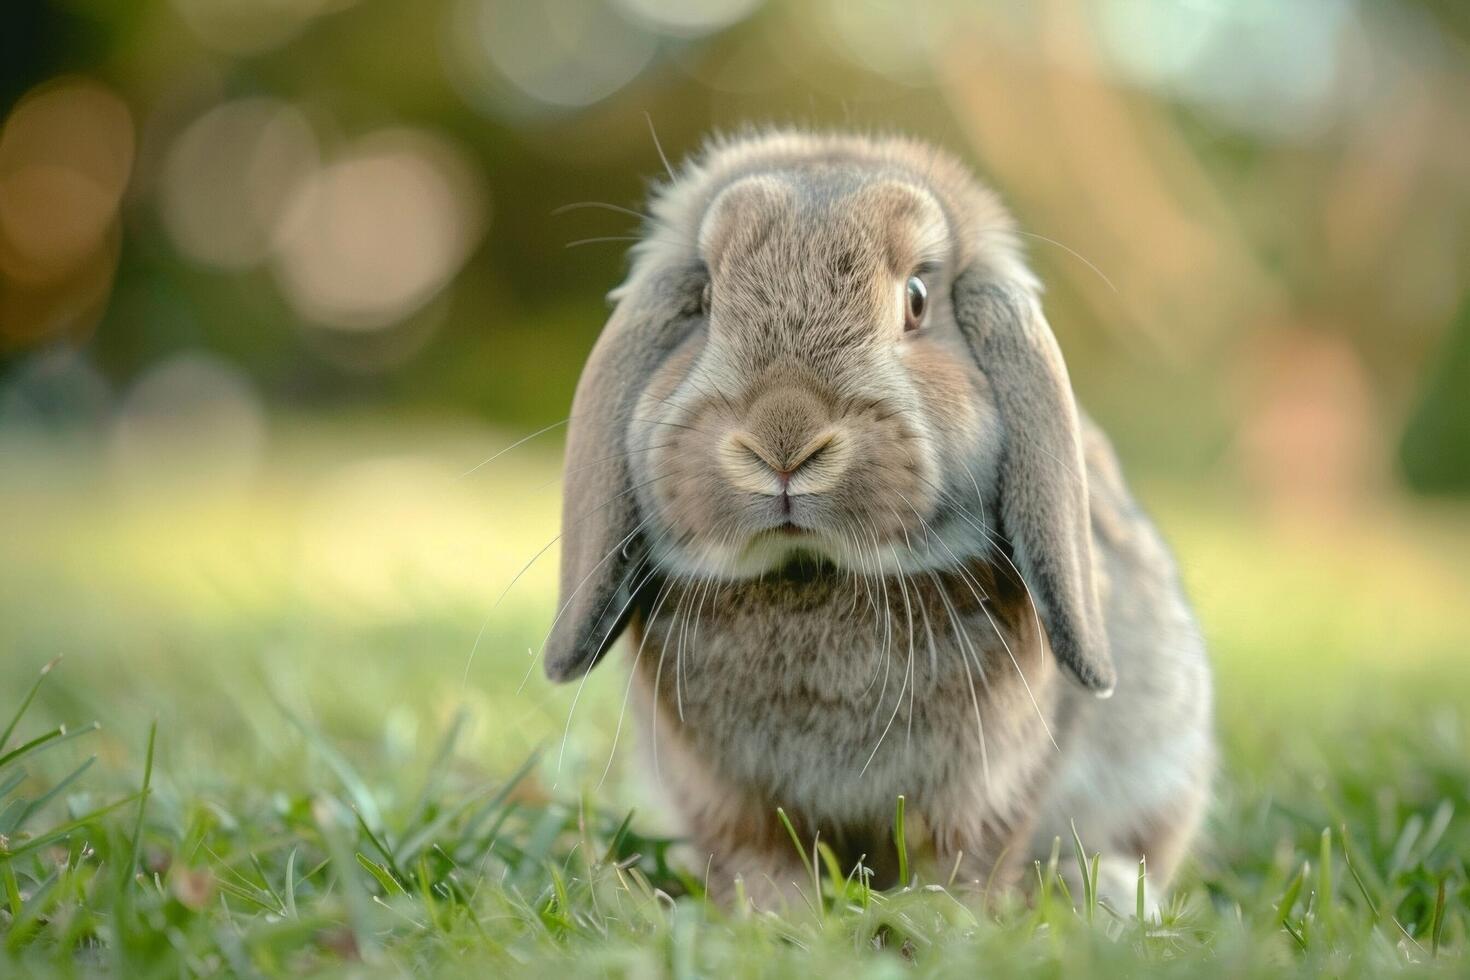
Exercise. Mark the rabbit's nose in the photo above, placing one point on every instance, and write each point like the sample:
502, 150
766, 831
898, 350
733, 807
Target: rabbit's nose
754, 466
783, 463
786, 445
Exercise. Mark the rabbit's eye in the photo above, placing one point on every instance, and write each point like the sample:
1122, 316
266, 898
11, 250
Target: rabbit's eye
916, 302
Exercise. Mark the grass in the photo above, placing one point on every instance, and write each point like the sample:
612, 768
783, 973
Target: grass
300, 768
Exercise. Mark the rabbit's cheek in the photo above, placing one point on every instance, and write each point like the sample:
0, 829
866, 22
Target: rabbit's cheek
947, 387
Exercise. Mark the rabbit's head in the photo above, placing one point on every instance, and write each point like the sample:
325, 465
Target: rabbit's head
828, 347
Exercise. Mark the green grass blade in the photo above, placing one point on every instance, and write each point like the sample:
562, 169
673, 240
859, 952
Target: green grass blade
354, 894
1140, 901
494, 812
901, 843
29, 919
11, 782
1324, 874
1436, 925
381, 847
1089, 893
137, 843
38, 804
438, 766
1289, 897
290, 889
12, 891
32, 745
1092, 875
809, 865
795, 838
414, 843
382, 875
48, 741
57, 833
265, 881
25, 703
1347, 859
1048, 873
362, 798
616, 841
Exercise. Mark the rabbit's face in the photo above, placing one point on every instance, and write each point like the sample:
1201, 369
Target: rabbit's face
828, 406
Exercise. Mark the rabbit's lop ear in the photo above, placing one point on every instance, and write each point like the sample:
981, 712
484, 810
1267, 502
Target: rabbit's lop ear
1042, 478
602, 551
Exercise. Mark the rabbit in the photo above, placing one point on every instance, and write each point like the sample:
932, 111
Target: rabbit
825, 469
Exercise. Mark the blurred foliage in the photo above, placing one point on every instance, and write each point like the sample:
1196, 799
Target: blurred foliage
1436, 447
1217, 190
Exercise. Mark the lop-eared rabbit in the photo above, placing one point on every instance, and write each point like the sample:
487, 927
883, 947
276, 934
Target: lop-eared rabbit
826, 471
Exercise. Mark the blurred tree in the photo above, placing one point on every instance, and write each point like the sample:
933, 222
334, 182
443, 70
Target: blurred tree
1435, 450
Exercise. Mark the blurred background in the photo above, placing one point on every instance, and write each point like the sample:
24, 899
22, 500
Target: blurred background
278, 276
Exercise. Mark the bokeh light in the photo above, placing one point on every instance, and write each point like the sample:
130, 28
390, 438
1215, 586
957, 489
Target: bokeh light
896, 40
193, 423
228, 176
375, 234
310, 198
584, 52
1258, 64
689, 18
54, 394
66, 153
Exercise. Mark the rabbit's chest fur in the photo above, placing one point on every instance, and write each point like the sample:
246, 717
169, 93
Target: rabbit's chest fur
831, 696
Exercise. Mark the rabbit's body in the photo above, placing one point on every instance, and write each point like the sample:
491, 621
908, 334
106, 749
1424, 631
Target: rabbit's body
839, 489
861, 697
830, 696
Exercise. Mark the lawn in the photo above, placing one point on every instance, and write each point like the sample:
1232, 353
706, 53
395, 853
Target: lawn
324, 744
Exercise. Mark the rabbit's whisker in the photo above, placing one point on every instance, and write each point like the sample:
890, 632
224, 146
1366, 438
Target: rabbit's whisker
664, 590
908, 737
1000, 635
858, 579
519, 442
675, 425
979, 497
485, 622
579, 205
697, 595
663, 158
967, 650
867, 576
997, 545
904, 581
621, 238
1076, 254
582, 684
718, 586
898, 701
566, 603
718, 390
881, 663
596, 462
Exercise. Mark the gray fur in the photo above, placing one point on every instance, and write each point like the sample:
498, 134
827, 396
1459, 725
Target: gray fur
599, 512
956, 529
1043, 489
